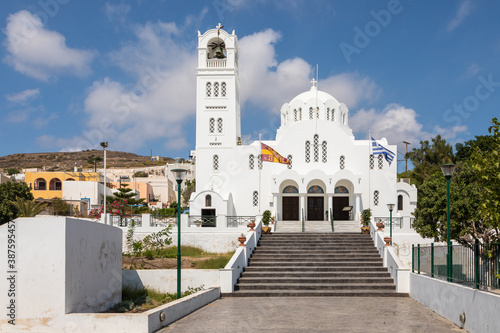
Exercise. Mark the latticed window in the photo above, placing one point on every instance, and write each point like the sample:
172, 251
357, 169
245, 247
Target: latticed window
317, 112
211, 125
342, 162
310, 113
259, 160
327, 113
216, 162
223, 89
216, 89
251, 162
316, 148
219, 125
300, 113
308, 151
380, 162
295, 115
209, 89
324, 155
375, 198
333, 115
289, 158
372, 162
255, 198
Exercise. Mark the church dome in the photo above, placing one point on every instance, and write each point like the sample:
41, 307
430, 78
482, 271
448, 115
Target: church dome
314, 105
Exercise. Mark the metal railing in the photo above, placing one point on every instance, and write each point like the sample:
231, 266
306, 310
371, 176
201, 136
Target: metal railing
163, 221
238, 221
126, 221
331, 219
303, 227
202, 221
396, 221
477, 265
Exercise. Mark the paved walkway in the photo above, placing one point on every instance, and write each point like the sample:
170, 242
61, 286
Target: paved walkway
313, 314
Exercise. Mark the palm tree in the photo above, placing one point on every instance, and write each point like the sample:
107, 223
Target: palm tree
28, 208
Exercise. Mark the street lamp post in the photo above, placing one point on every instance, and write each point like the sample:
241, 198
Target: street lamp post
448, 170
104, 145
391, 207
179, 175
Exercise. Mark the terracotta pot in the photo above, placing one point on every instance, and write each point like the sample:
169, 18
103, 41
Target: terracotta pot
387, 241
251, 225
365, 230
380, 226
242, 240
266, 230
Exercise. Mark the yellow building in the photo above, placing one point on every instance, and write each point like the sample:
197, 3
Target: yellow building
48, 185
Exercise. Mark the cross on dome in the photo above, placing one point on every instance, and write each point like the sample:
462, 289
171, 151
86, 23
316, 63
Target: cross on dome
314, 82
219, 26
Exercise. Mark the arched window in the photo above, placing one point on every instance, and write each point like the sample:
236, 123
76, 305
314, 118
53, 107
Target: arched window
209, 89
255, 198
316, 148
315, 189
375, 198
324, 155
216, 89
400, 202
380, 162
342, 162
219, 125
289, 158
343, 118
211, 125
223, 89
70, 180
308, 151
290, 189
216, 162
372, 162
208, 200
341, 190
55, 184
251, 161
40, 184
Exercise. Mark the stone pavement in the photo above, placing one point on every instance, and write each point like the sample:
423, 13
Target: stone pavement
313, 314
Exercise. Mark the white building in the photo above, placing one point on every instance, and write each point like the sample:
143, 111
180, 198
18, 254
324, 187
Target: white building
329, 171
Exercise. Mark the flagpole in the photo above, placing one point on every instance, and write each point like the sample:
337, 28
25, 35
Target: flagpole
369, 169
259, 164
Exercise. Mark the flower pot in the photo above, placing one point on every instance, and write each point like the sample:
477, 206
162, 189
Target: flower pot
365, 230
251, 225
266, 230
242, 240
380, 226
387, 241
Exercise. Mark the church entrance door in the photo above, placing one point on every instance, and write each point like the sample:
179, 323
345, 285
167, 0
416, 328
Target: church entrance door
290, 208
315, 208
338, 204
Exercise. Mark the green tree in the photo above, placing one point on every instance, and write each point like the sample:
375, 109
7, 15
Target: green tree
429, 157
28, 208
186, 193
93, 160
60, 207
484, 143
12, 171
8, 193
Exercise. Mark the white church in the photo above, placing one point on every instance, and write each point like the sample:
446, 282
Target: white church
330, 172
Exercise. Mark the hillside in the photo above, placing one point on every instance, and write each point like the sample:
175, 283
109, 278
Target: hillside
65, 161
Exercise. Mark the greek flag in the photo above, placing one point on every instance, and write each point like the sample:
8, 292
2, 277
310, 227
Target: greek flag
378, 149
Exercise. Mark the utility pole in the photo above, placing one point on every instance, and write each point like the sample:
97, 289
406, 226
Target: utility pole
406, 159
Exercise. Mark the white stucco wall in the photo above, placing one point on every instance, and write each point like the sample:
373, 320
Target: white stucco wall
62, 265
450, 300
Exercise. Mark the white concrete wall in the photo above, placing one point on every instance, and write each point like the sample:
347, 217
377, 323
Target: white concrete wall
450, 300
165, 280
62, 265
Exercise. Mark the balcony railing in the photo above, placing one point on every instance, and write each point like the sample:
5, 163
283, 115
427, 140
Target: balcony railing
202, 221
120, 221
163, 221
238, 221
396, 221
216, 63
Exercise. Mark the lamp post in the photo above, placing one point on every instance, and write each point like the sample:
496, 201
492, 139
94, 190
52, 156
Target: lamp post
179, 175
104, 145
391, 207
448, 170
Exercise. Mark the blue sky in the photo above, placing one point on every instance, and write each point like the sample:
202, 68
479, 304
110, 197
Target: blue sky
74, 73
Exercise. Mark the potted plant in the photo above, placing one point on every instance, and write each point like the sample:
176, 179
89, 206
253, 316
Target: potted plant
266, 218
365, 219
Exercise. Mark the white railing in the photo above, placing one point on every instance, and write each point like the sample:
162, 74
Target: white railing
216, 63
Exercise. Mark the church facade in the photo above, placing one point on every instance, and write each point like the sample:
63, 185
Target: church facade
330, 172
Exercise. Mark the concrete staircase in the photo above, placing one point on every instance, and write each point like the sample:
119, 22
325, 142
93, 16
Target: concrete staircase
301, 264
318, 226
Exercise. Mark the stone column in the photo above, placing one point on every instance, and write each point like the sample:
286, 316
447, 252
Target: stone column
275, 205
330, 205
302, 205
357, 206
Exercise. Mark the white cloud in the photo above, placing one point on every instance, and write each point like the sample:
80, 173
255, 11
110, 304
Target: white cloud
41, 53
472, 71
463, 11
116, 12
23, 97
269, 84
451, 133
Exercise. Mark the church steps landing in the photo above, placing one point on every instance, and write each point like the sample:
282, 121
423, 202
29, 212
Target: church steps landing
322, 264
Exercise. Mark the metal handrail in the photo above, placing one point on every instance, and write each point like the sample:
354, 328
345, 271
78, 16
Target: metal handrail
303, 227
331, 220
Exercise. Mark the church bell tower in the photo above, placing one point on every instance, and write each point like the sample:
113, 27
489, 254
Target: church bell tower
217, 85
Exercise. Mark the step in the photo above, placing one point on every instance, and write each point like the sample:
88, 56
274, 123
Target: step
328, 268
315, 286
315, 293
300, 261
320, 280
304, 274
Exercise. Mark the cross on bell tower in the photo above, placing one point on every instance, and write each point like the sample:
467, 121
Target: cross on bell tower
314, 82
